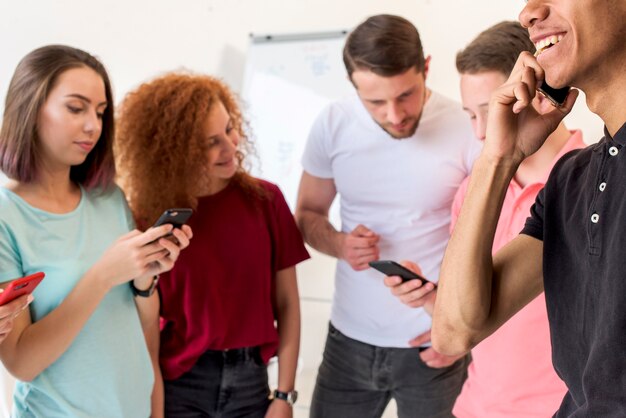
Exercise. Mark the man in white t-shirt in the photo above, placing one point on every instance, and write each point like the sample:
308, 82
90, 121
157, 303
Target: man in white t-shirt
395, 152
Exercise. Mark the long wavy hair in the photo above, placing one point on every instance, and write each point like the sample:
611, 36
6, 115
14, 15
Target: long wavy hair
161, 143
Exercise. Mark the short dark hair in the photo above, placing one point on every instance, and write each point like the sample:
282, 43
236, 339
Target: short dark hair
495, 49
30, 86
386, 45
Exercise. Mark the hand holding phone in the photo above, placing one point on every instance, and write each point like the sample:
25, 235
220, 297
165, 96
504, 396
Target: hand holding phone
391, 268
21, 286
556, 96
177, 217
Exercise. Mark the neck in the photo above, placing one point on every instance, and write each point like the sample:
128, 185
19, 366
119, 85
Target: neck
606, 95
215, 186
533, 168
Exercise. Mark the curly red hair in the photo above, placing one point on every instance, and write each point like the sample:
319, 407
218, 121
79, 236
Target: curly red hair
160, 144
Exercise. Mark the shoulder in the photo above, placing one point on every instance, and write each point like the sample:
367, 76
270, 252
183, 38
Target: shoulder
572, 164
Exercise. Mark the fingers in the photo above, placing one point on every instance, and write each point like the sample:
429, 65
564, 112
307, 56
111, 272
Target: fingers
363, 231
153, 234
411, 266
436, 360
420, 339
527, 61
183, 236
15, 307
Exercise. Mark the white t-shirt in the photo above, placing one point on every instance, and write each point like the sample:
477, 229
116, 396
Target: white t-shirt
400, 189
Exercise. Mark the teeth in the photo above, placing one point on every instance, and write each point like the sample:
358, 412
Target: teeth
543, 44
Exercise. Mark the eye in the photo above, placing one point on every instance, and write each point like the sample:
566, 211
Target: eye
74, 109
100, 115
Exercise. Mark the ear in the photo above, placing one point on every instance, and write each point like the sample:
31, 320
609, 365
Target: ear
426, 66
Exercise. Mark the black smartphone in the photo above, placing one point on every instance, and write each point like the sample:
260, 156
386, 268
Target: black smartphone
556, 96
175, 216
391, 268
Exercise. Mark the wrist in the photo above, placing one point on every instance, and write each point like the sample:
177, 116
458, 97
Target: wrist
289, 397
144, 286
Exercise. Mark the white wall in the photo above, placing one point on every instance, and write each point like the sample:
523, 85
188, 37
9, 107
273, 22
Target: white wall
138, 39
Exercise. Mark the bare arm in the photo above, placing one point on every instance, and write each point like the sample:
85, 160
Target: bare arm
148, 309
287, 304
31, 347
315, 196
477, 293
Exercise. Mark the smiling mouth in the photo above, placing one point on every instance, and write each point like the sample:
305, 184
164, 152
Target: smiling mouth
547, 43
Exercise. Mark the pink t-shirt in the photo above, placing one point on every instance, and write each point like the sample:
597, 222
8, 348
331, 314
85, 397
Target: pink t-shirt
511, 374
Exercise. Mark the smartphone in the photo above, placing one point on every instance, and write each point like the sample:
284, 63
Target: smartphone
19, 287
556, 96
391, 268
176, 216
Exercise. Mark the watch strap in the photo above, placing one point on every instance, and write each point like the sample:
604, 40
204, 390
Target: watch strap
147, 292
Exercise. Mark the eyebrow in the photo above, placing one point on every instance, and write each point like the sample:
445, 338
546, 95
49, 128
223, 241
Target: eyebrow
85, 99
480, 105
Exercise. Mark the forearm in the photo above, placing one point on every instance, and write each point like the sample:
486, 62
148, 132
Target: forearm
33, 347
148, 309
288, 320
464, 294
319, 233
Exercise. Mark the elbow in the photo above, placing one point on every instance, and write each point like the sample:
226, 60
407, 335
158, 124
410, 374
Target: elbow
21, 373
450, 342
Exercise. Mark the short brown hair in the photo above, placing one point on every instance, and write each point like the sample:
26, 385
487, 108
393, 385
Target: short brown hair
495, 49
386, 45
32, 81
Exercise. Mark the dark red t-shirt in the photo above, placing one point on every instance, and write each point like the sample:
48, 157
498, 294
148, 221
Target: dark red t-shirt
218, 296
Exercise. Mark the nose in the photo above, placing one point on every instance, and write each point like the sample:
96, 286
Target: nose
534, 11
480, 128
395, 114
93, 123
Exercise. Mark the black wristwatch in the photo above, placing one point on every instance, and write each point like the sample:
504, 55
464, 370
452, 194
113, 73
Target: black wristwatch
289, 397
145, 293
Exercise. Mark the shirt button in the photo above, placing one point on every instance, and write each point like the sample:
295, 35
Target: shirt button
595, 218
613, 151
602, 186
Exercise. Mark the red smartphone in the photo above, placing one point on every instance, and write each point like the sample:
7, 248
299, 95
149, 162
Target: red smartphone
21, 286
391, 268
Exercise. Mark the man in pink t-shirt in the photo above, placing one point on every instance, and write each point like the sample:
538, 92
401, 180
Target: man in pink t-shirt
511, 374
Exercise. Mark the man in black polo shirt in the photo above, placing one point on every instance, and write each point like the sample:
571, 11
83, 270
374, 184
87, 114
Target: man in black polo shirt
574, 243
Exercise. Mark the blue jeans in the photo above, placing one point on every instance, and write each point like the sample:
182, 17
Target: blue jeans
221, 384
357, 380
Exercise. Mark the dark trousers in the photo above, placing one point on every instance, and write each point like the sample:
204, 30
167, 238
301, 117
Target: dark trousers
221, 384
357, 380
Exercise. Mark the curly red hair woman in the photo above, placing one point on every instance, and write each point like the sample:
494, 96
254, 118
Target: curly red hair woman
180, 143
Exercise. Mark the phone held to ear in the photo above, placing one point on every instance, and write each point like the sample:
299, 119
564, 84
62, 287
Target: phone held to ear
20, 287
556, 96
391, 268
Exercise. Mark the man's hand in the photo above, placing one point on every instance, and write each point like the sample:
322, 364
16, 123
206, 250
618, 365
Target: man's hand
429, 356
359, 247
412, 292
515, 129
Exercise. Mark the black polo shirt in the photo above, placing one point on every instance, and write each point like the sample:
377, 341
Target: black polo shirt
580, 216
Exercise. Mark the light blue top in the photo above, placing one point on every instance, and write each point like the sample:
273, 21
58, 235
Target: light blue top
106, 372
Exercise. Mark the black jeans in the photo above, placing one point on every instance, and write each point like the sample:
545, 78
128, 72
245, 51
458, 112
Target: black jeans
221, 384
357, 380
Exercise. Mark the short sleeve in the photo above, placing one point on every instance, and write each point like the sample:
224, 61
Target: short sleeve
316, 158
287, 245
10, 260
534, 223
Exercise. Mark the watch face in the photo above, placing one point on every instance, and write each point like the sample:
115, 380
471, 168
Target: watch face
294, 396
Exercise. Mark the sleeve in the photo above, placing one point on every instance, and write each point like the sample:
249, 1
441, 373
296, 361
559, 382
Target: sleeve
459, 197
316, 158
534, 223
126, 212
287, 244
10, 259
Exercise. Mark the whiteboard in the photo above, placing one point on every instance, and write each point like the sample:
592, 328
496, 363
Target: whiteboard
288, 79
